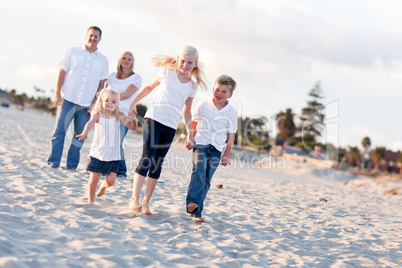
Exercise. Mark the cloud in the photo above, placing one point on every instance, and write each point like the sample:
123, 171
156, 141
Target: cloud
37, 72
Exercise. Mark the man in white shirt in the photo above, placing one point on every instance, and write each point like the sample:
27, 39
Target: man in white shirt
83, 72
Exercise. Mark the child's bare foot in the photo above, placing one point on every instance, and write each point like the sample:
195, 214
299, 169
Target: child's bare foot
135, 207
199, 219
191, 207
101, 191
145, 209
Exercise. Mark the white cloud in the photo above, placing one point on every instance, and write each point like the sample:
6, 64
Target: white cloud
36, 72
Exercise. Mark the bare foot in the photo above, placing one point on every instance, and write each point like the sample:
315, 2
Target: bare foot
145, 209
191, 207
135, 207
101, 191
199, 219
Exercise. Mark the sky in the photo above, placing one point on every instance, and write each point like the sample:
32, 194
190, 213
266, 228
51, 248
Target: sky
275, 50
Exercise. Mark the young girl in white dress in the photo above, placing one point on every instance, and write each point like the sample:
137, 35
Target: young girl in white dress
105, 147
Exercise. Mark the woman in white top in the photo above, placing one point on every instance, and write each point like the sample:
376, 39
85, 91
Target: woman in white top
176, 85
127, 83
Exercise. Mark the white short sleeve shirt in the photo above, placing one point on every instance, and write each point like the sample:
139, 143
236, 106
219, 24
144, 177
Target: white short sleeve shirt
213, 124
106, 142
84, 72
121, 86
168, 102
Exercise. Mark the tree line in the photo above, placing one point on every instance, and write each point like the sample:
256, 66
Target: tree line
255, 132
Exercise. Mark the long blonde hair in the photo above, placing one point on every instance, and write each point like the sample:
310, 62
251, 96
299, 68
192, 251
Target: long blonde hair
106, 92
120, 69
170, 63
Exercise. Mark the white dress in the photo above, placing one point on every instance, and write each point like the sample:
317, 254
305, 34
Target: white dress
106, 142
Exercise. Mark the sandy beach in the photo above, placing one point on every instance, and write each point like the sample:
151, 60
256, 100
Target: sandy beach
281, 213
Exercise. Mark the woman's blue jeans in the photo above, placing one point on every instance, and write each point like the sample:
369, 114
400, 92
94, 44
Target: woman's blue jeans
206, 160
122, 162
66, 112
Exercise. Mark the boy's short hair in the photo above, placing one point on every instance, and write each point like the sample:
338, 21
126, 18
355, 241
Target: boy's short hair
226, 80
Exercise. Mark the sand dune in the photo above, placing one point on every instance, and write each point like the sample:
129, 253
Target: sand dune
300, 215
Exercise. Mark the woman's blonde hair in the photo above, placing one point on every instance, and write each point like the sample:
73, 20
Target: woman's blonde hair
120, 69
106, 92
170, 63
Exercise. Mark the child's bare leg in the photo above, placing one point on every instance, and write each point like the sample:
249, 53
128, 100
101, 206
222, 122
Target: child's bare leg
149, 190
92, 185
138, 181
109, 181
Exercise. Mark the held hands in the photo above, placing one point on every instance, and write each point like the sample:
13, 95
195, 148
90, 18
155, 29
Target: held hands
89, 109
132, 112
225, 161
189, 144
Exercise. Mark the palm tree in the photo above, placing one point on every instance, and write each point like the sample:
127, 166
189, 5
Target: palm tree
378, 155
286, 126
354, 156
366, 142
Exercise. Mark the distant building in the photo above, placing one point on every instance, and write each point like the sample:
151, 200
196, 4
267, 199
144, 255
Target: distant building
5, 98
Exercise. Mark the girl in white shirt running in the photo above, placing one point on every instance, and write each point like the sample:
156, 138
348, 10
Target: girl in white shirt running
105, 147
177, 84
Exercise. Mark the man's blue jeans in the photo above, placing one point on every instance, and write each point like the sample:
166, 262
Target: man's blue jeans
205, 162
65, 114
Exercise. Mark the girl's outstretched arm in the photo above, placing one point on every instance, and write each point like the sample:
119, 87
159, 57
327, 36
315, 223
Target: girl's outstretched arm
188, 121
141, 94
189, 144
131, 124
88, 127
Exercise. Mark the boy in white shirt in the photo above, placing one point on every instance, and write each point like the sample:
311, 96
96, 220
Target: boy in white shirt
215, 123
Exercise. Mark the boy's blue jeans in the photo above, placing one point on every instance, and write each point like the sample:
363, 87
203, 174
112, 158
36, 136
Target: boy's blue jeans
65, 114
206, 160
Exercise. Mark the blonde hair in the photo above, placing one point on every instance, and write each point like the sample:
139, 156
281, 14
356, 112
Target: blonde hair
120, 69
170, 63
226, 80
106, 92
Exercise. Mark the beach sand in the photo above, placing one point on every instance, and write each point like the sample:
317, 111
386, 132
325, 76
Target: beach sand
276, 214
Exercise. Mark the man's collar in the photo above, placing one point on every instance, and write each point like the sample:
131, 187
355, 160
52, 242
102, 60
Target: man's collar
85, 48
